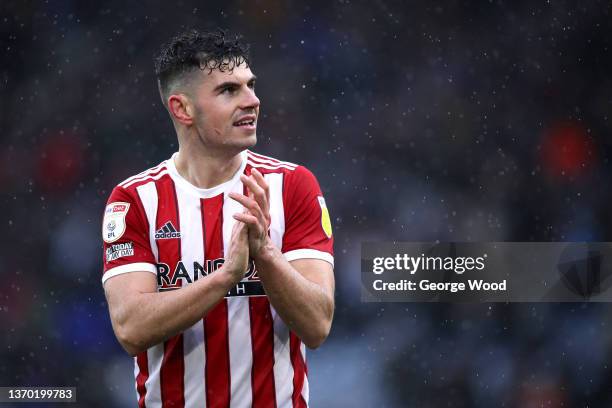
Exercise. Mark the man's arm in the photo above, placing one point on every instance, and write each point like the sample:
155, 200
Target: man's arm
302, 292
143, 317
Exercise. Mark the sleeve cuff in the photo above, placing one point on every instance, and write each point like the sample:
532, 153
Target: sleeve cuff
309, 254
132, 267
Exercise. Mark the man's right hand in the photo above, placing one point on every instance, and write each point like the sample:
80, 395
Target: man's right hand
132, 296
237, 259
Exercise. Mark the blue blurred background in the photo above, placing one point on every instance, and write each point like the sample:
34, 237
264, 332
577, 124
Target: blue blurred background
447, 121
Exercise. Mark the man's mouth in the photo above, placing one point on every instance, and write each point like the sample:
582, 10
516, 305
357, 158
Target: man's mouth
246, 121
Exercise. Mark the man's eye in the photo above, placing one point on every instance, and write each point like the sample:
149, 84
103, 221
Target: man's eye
228, 90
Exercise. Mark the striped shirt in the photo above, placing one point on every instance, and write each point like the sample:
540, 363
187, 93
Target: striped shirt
240, 353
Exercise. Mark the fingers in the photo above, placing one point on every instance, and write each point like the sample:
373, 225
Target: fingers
251, 205
260, 189
257, 203
261, 181
246, 219
250, 221
239, 227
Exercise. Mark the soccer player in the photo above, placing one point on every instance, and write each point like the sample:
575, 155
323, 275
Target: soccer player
218, 262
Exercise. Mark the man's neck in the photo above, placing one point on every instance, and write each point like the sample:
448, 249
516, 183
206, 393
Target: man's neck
205, 169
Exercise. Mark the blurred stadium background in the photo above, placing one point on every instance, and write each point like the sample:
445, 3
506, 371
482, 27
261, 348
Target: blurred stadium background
487, 121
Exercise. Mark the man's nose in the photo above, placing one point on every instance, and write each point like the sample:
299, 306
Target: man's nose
250, 100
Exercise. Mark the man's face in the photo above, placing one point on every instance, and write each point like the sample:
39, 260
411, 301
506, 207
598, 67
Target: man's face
226, 108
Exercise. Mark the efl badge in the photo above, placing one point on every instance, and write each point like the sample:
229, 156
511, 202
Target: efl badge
325, 221
113, 225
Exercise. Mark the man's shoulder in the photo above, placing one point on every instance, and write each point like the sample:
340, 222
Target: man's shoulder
266, 164
297, 179
150, 174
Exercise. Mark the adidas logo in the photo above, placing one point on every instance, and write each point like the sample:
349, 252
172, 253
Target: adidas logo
167, 231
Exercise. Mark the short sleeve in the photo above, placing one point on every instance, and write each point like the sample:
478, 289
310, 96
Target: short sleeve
308, 230
125, 235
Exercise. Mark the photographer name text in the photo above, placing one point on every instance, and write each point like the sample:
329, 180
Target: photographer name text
413, 264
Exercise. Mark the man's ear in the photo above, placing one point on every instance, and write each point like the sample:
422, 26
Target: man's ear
181, 108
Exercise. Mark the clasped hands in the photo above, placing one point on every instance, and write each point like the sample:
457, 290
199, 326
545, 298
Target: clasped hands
256, 215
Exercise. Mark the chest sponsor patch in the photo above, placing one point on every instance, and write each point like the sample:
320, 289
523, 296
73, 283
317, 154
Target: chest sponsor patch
117, 251
113, 225
325, 220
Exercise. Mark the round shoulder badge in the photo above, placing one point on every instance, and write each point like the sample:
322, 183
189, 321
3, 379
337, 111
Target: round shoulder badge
113, 225
325, 220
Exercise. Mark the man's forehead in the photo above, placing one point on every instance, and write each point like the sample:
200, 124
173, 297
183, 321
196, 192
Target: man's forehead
240, 74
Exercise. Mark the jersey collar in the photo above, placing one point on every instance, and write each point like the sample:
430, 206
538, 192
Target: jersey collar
206, 192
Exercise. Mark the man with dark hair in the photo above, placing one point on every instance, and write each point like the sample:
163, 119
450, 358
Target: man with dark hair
218, 262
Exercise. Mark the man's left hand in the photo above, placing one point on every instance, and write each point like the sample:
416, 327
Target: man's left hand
257, 211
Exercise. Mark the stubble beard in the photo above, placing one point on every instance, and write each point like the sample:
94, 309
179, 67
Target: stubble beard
230, 142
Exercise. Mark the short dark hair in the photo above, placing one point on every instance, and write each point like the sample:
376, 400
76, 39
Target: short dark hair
193, 50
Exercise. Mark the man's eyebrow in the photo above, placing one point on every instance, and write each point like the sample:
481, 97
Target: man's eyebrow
228, 84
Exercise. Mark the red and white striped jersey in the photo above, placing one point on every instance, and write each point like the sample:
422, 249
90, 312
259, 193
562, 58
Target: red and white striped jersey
241, 353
